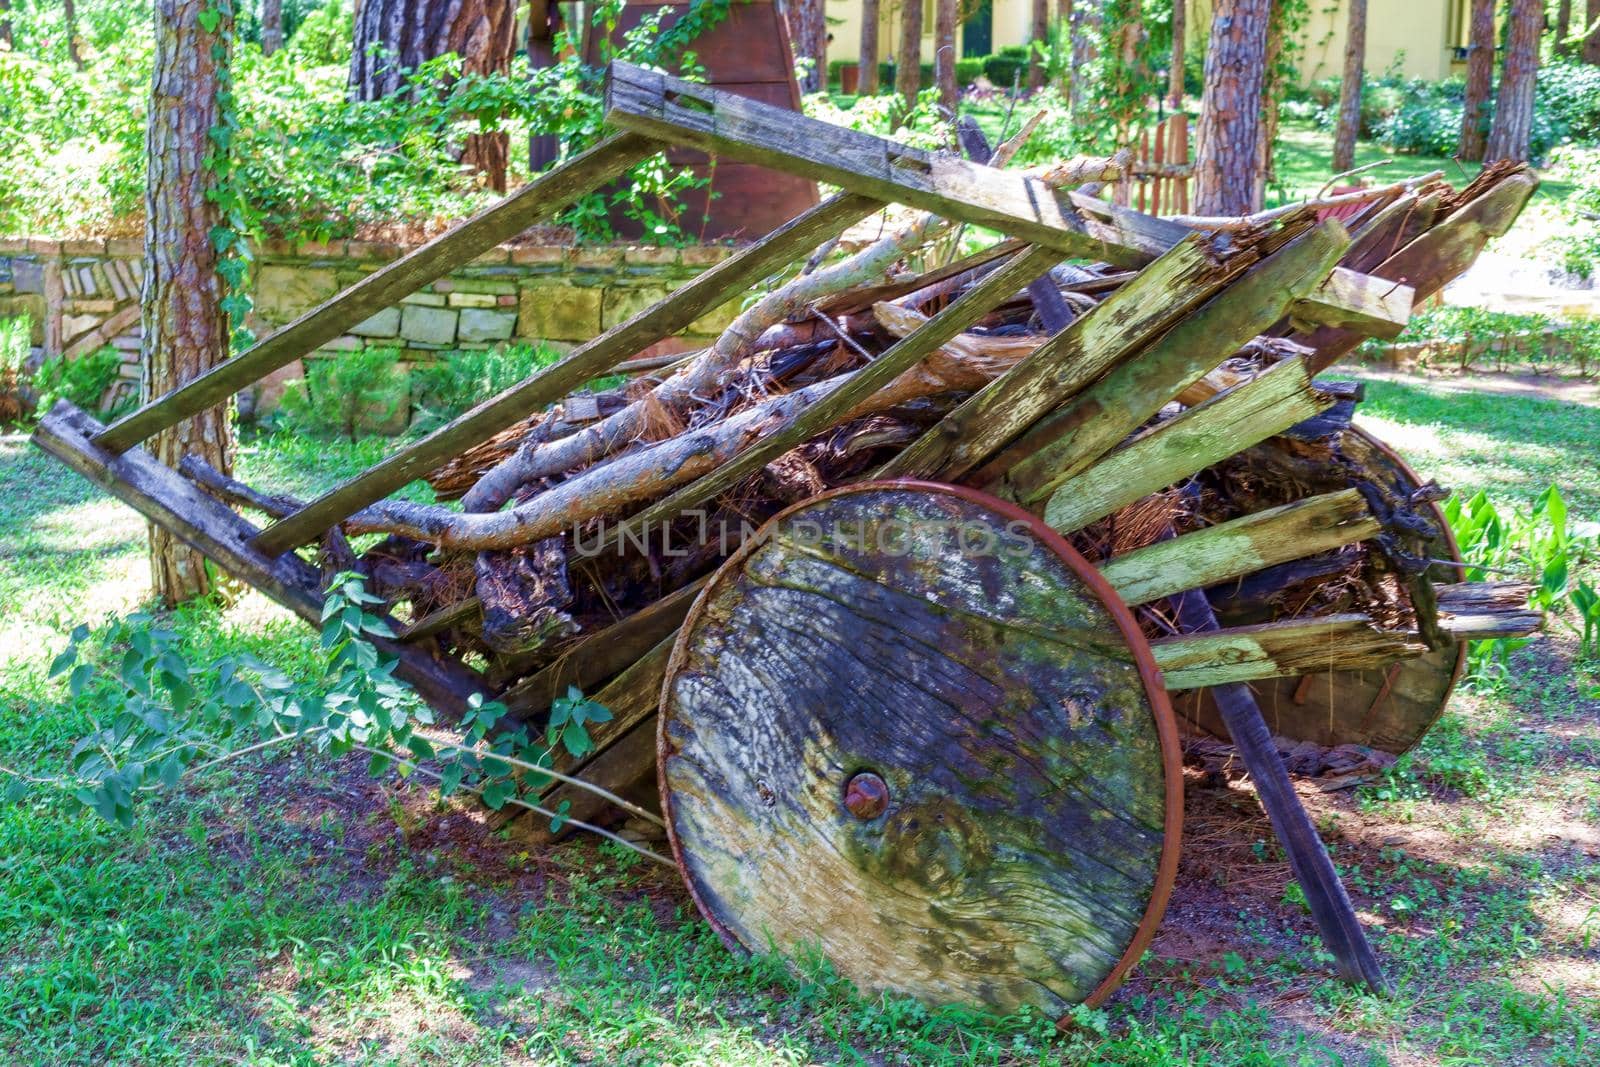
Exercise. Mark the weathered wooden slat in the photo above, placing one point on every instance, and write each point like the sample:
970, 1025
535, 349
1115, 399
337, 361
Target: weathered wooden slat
687, 303
1188, 443
1484, 611
1077, 435
885, 368
1279, 649
1241, 546
166, 498
1151, 301
1374, 306
732, 127
538, 200
437, 622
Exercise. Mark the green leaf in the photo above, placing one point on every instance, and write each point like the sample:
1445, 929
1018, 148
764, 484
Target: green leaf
450, 779
378, 764
210, 19
496, 793
420, 747
576, 739
1554, 579
559, 819
82, 675
16, 791
63, 661
171, 771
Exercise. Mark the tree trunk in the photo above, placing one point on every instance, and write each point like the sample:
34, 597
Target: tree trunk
1563, 27
1480, 76
944, 53
69, 12
185, 327
810, 32
1086, 19
1513, 107
869, 48
1038, 44
1591, 43
1271, 99
271, 26
1180, 20
5, 24
544, 22
394, 37
1355, 59
1227, 160
908, 63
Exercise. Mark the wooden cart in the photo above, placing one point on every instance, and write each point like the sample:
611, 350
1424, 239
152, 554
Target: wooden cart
921, 723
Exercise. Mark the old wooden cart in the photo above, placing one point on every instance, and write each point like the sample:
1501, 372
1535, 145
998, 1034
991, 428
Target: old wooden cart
925, 720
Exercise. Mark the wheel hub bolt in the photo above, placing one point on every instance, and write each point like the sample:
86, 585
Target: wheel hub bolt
866, 796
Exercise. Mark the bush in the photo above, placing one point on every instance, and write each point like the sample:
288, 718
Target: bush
459, 380
1569, 94
348, 393
1007, 67
85, 381
969, 70
15, 335
1580, 244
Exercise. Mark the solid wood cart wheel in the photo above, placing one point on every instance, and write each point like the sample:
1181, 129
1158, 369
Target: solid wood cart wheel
1390, 708
953, 773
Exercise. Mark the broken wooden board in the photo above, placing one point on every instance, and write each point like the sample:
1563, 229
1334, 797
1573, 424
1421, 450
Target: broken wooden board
951, 772
1280, 649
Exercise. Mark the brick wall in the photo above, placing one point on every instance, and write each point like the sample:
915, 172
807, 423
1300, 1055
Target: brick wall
84, 295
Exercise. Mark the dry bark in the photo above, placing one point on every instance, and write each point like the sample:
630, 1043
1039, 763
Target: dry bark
809, 29
944, 53
1227, 160
1591, 43
185, 330
1038, 36
908, 61
1480, 75
1513, 107
1180, 27
271, 26
1355, 58
869, 48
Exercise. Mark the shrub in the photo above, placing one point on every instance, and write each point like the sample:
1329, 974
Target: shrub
1569, 94
1580, 243
85, 381
459, 380
1007, 67
15, 335
346, 394
969, 70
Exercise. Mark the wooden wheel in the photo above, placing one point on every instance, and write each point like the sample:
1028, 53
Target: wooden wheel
1389, 708
955, 773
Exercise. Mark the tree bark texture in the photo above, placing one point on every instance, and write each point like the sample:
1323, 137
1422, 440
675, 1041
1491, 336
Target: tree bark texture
869, 48
1563, 27
1271, 98
185, 328
1355, 58
1513, 107
1180, 23
271, 26
1085, 21
394, 37
69, 12
1480, 76
944, 53
1038, 42
908, 63
1591, 43
5, 23
809, 29
1227, 160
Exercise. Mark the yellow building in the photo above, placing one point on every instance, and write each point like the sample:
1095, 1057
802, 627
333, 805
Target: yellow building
1417, 38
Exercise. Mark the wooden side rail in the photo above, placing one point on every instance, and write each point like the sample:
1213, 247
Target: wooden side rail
705, 292
538, 200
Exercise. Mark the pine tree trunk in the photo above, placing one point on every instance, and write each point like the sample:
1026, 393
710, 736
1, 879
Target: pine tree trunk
544, 22
1513, 107
810, 33
1591, 43
396, 36
1180, 21
185, 328
69, 12
1038, 44
1229, 129
1563, 27
908, 63
1271, 98
271, 26
869, 48
1355, 59
944, 53
5, 24
1480, 76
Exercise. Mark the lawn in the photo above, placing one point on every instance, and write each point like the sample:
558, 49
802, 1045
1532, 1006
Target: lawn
290, 910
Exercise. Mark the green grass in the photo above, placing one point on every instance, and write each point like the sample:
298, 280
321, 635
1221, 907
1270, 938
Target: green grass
289, 910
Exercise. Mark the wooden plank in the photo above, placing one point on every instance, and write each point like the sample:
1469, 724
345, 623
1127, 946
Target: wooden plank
680, 112
1376, 307
1188, 443
687, 303
437, 622
1151, 301
534, 202
1240, 546
1077, 435
889, 365
1280, 649
1485, 611
166, 498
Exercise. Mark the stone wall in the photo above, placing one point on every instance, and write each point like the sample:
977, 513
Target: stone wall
84, 295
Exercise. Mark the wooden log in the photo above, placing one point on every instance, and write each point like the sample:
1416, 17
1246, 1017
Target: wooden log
1308, 858
733, 127
534, 202
1231, 549
959, 763
1280, 649
840, 402
1485, 611
166, 498
1167, 453
1373, 306
1077, 435
985, 423
687, 303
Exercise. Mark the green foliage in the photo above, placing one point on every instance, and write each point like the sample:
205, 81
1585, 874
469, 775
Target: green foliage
459, 380
84, 381
1501, 340
347, 393
16, 336
1008, 67
1580, 240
